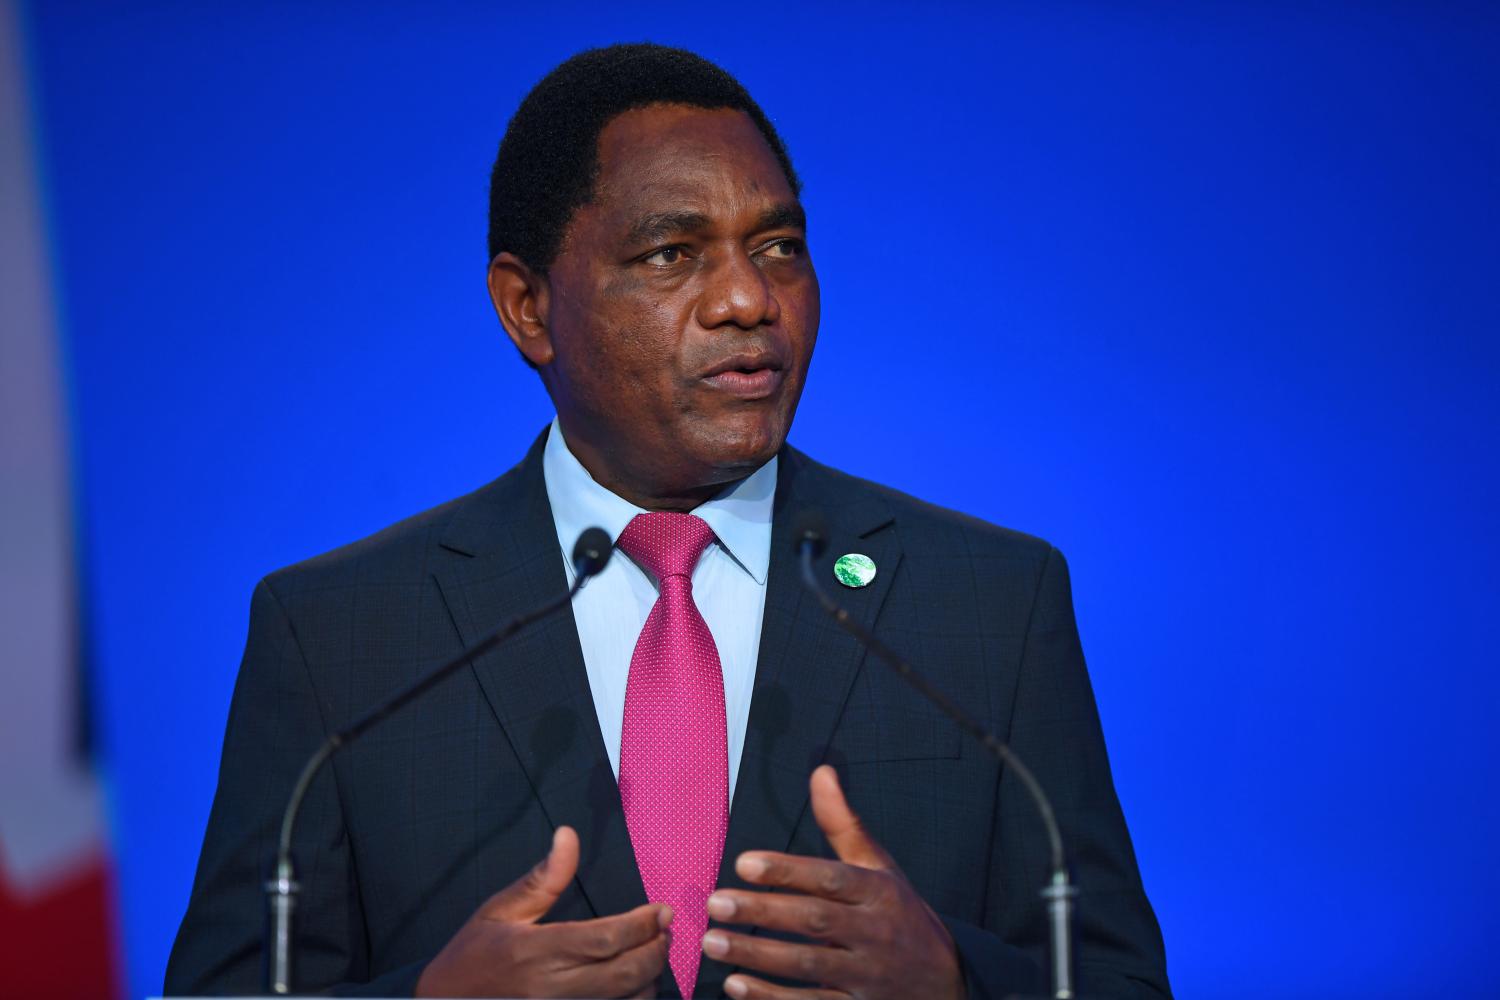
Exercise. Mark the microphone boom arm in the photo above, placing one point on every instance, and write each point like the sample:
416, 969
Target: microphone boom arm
590, 554
1060, 893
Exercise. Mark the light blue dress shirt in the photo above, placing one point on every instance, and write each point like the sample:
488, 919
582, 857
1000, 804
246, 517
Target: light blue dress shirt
729, 587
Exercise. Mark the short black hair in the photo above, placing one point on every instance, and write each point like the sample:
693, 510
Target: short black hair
549, 158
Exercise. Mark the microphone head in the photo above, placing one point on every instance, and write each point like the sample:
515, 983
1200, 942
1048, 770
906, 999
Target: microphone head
592, 551
810, 528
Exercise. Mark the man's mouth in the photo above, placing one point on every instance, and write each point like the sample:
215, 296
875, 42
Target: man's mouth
746, 376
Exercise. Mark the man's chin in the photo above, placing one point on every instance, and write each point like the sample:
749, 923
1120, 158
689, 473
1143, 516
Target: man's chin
738, 448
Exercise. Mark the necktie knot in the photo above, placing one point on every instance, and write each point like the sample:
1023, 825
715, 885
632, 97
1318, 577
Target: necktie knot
667, 544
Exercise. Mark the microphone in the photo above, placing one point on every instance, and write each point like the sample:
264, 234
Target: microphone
810, 534
590, 555
591, 552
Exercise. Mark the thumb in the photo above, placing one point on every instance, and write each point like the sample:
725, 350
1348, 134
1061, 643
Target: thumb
845, 833
528, 898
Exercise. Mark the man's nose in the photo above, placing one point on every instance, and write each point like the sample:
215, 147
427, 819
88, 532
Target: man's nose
737, 294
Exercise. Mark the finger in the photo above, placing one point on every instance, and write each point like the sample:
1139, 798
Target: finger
606, 937
743, 987
528, 898
812, 963
630, 973
820, 877
806, 915
846, 834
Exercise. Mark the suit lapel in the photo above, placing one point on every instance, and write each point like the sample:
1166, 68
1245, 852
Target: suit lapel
806, 665
504, 560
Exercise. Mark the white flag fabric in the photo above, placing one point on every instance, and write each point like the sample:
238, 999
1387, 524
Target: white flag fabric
57, 935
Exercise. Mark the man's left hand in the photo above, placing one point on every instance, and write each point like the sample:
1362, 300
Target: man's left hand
871, 935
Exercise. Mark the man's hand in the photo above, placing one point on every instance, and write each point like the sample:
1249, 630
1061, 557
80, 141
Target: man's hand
874, 935
503, 952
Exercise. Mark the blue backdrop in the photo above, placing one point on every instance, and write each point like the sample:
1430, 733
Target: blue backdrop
1205, 296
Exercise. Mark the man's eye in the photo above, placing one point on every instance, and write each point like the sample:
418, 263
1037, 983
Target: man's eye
664, 257
785, 248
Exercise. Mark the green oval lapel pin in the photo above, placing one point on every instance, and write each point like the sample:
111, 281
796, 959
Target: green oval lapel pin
854, 569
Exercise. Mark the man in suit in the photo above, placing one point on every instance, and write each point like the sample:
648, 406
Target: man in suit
736, 802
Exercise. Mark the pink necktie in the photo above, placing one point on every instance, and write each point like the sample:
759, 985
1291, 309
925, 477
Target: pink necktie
674, 757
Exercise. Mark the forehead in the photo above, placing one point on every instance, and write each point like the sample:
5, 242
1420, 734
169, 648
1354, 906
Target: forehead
713, 161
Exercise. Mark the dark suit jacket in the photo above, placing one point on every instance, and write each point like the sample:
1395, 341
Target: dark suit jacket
454, 797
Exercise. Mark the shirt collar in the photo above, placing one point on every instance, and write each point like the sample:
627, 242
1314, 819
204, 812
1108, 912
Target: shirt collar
740, 516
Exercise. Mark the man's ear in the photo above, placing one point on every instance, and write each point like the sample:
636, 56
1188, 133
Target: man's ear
522, 297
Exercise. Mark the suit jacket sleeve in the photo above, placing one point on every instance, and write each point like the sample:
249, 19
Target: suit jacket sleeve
1055, 729
275, 723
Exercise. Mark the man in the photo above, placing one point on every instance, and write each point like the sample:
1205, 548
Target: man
673, 738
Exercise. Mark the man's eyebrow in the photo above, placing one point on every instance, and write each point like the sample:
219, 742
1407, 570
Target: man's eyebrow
657, 225
785, 216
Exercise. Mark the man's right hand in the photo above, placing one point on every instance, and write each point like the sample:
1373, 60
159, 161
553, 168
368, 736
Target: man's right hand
503, 951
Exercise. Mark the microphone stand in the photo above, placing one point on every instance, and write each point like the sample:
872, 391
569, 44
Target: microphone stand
590, 554
1060, 893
